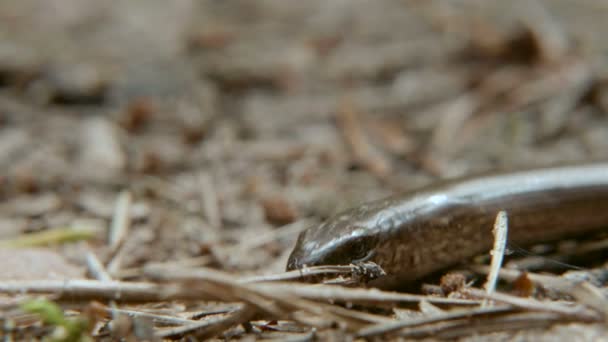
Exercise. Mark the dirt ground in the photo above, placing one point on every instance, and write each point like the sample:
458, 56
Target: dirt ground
205, 135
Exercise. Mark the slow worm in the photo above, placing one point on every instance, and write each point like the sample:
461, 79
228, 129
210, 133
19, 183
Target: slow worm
418, 233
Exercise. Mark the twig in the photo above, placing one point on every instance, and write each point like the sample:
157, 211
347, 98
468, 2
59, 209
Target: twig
517, 321
498, 252
93, 289
381, 329
557, 283
210, 327
307, 291
359, 296
154, 317
574, 311
142, 291
267, 300
360, 316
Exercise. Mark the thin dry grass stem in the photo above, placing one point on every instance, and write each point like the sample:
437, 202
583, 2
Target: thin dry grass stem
498, 251
591, 296
391, 327
8, 303
294, 337
550, 83
586, 293
120, 221
549, 281
587, 247
429, 309
508, 322
573, 311
359, 296
556, 113
210, 203
229, 307
98, 290
294, 291
361, 149
119, 229
456, 112
227, 290
115, 264
209, 327
215, 285
211, 324
360, 316
143, 291
432, 330
280, 300
161, 319
96, 269
198, 261
267, 301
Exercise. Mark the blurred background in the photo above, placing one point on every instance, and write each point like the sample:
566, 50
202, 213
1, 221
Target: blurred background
232, 125
210, 133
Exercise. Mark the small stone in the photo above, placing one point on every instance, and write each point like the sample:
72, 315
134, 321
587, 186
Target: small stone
278, 210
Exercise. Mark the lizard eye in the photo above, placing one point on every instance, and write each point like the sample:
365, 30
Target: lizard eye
364, 257
362, 250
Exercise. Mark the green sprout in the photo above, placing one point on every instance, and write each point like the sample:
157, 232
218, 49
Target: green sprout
66, 329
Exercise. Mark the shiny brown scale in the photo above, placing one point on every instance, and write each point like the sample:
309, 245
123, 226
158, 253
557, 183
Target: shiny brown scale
418, 233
